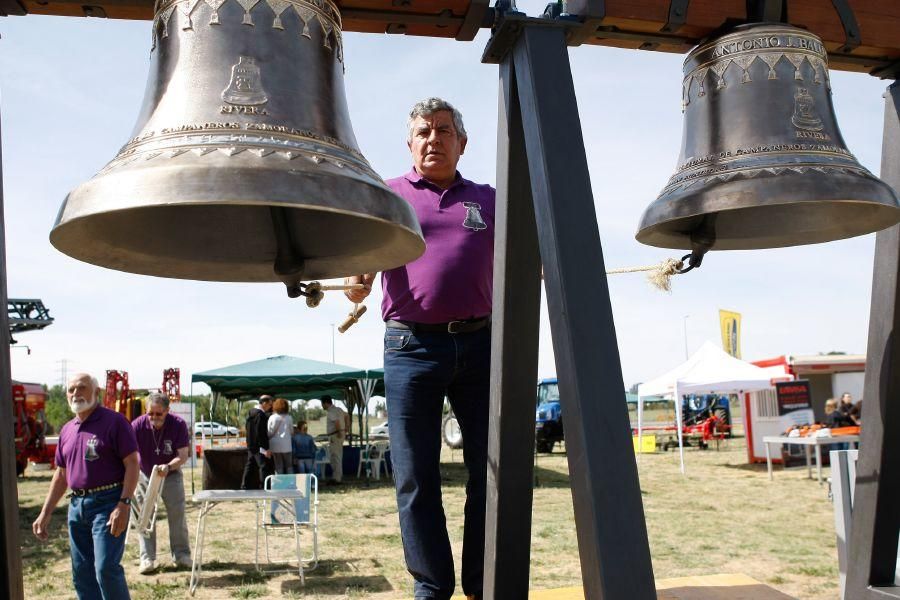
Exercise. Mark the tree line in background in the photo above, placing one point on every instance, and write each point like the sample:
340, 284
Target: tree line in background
227, 412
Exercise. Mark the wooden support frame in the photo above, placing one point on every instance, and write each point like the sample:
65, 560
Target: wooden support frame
541, 150
876, 518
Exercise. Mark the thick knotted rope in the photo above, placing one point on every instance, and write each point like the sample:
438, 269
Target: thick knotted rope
660, 275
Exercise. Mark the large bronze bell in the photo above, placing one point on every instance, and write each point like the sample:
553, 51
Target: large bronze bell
243, 165
763, 164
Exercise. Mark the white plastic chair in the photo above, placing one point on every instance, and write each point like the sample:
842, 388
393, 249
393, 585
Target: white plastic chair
372, 458
299, 514
323, 460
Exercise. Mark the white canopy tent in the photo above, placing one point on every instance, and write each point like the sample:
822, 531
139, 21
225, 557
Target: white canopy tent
710, 370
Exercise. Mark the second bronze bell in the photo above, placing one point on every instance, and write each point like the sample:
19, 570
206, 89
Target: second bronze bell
762, 162
243, 165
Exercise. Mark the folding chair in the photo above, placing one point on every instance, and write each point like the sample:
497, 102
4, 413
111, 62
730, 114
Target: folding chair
323, 460
372, 458
299, 514
146, 500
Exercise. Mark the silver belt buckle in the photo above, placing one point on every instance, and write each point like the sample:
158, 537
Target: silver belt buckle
453, 326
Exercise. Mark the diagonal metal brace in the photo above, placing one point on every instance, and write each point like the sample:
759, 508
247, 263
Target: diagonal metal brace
678, 10
851, 27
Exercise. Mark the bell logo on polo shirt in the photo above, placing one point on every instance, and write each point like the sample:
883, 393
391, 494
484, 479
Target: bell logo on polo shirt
90, 449
473, 217
167, 447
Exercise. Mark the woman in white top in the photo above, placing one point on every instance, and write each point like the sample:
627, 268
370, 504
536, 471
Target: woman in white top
281, 426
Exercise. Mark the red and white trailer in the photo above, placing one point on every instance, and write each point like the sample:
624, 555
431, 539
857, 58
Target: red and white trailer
829, 376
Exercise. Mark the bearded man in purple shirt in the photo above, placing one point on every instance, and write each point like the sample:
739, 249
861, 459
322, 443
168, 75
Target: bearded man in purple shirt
97, 458
164, 445
437, 311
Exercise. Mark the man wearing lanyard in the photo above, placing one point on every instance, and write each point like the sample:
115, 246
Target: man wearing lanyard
437, 311
97, 458
164, 445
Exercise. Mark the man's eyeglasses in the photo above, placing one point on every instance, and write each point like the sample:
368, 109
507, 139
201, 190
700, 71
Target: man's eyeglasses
155, 414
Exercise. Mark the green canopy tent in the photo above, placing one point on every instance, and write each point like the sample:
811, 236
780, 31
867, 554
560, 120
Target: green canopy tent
295, 378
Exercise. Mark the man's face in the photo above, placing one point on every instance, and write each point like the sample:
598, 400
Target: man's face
157, 414
266, 405
847, 399
435, 146
81, 394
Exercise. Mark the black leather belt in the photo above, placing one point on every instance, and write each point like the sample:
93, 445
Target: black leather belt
468, 326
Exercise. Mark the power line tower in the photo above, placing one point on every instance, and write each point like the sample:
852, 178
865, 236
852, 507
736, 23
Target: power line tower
63, 372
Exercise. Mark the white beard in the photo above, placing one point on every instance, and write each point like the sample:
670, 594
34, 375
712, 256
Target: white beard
80, 405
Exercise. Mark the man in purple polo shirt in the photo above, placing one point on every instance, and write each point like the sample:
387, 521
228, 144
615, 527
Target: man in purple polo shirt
437, 311
97, 458
164, 445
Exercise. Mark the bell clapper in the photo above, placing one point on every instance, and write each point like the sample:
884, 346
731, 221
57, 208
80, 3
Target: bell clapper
703, 238
314, 292
353, 317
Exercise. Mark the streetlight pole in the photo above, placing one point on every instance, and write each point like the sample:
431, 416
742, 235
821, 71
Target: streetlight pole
684, 324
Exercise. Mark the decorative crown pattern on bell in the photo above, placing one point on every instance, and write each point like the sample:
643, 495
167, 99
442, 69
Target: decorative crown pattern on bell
762, 162
243, 165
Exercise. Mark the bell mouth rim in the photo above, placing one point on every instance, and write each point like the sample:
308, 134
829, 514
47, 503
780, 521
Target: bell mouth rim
72, 228
261, 204
373, 220
662, 234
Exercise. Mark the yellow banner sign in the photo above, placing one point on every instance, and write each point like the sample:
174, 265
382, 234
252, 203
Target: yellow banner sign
731, 332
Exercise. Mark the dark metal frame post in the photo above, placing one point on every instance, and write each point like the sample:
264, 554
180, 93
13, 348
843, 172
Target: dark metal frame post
11, 559
514, 344
609, 516
876, 517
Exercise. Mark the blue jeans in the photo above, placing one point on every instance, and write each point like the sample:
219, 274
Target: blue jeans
419, 370
304, 465
96, 555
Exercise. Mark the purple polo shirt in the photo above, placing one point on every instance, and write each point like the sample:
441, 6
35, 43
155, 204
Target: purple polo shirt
159, 447
453, 280
91, 451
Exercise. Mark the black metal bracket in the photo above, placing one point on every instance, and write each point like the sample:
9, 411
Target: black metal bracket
11, 7
767, 11
509, 26
887, 71
590, 13
678, 10
851, 27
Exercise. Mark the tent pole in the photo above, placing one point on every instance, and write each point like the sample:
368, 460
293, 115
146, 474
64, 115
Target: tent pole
679, 423
193, 437
640, 418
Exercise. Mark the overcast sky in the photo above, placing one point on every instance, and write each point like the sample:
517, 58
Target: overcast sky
71, 90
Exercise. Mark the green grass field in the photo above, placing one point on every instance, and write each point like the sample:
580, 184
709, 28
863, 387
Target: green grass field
724, 517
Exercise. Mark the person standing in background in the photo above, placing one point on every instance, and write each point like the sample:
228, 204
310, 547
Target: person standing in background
97, 458
304, 449
259, 457
279, 427
336, 426
164, 445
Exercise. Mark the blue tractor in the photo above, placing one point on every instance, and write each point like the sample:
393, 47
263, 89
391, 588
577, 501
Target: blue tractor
548, 424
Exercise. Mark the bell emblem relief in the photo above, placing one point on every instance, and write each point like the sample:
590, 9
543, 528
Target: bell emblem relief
245, 87
90, 449
473, 217
805, 114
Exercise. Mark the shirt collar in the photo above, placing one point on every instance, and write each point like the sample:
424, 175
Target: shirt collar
415, 177
94, 415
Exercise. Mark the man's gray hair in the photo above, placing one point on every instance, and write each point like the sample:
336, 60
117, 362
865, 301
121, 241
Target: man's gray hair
159, 398
428, 107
